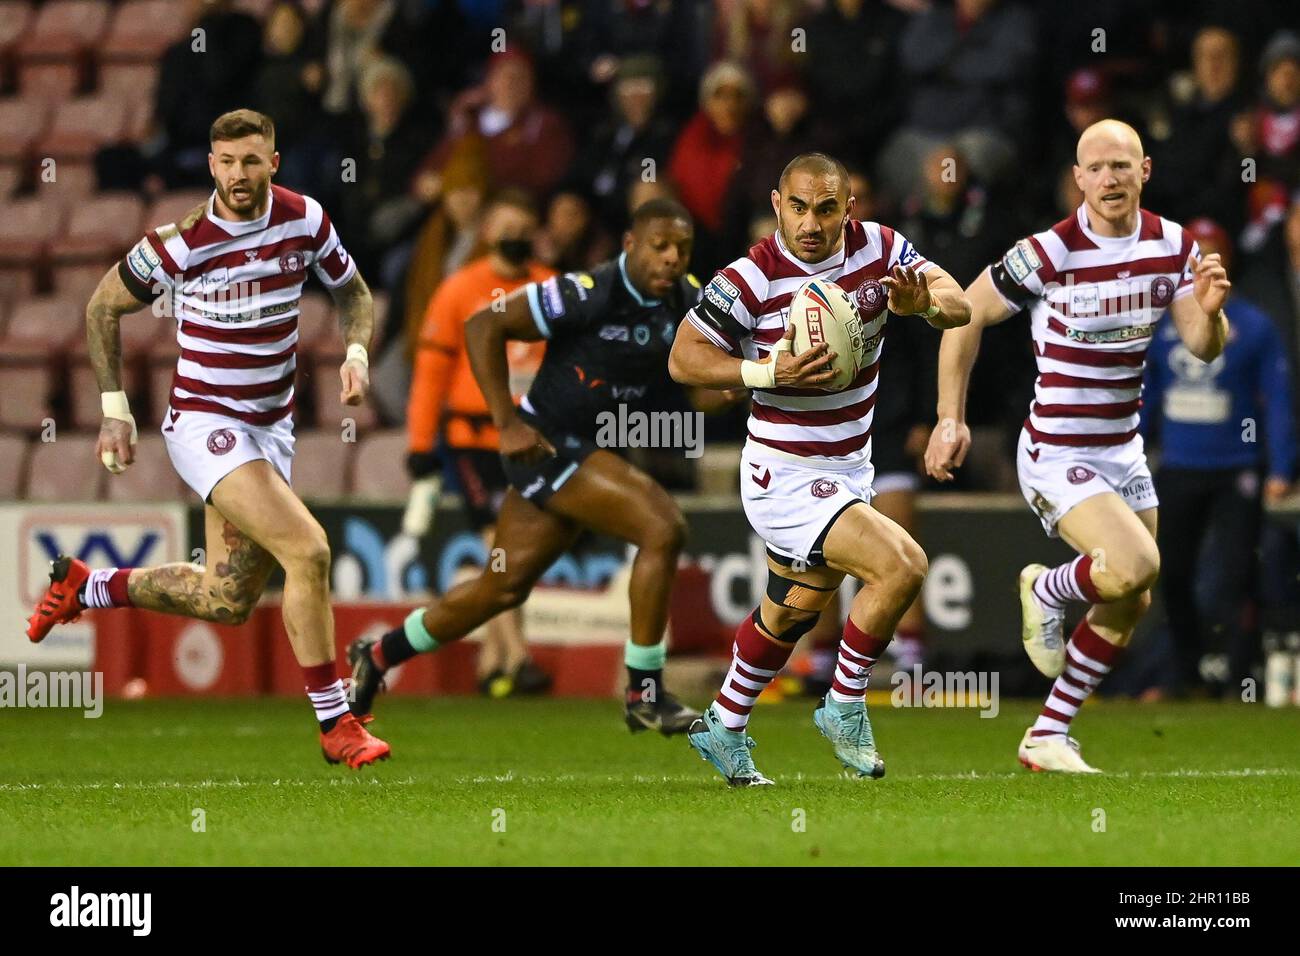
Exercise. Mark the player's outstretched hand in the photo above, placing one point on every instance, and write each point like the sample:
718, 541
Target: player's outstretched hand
949, 443
523, 442
811, 368
115, 446
1210, 282
909, 291
356, 382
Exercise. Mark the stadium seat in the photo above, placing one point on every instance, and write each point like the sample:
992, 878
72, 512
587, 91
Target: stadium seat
63, 28
172, 207
13, 461
42, 327
321, 378
139, 81
25, 391
16, 17
380, 473
150, 478
26, 229
65, 470
142, 29
50, 82
82, 126
317, 323
11, 174
23, 121
160, 367
322, 464
101, 229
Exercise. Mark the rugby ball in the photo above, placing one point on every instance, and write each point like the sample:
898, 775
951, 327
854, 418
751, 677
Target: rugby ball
823, 312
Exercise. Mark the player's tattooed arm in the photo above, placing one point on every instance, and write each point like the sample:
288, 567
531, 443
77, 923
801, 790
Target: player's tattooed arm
110, 301
356, 308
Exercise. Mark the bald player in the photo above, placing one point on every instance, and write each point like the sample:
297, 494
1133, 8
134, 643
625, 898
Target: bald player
1094, 285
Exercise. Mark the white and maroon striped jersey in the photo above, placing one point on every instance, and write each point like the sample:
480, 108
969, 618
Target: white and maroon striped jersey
1094, 301
235, 288
745, 310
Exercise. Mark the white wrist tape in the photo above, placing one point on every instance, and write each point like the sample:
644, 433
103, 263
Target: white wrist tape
763, 374
357, 353
114, 405
758, 374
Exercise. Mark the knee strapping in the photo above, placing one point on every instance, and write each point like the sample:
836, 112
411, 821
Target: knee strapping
797, 596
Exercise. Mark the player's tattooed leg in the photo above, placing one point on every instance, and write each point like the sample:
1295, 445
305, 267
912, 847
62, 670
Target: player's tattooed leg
225, 591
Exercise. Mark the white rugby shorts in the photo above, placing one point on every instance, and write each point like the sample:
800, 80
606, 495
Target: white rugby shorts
204, 448
791, 505
1055, 478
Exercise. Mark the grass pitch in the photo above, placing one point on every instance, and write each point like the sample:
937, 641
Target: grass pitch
562, 782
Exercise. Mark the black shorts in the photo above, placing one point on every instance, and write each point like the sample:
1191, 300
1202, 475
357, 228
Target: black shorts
539, 480
481, 481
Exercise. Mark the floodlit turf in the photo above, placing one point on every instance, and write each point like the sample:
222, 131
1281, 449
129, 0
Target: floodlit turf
561, 782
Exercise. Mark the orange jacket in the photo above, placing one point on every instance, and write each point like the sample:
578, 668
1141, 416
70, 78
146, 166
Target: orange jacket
442, 381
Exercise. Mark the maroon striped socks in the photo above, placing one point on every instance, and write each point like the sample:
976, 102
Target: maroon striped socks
1088, 658
859, 652
756, 658
1058, 586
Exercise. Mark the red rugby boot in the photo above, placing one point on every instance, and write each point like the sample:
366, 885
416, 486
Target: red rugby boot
349, 742
59, 604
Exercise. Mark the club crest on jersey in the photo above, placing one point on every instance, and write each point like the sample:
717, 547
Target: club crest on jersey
870, 298
221, 441
824, 488
1162, 291
1079, 475
292, 262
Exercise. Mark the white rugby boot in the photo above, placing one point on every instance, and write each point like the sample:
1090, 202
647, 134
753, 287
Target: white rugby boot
1042, 630
1057, 753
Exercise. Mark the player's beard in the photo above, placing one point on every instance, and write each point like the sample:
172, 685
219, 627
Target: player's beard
256, 197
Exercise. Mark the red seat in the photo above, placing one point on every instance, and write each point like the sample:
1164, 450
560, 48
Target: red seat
142, 29
380, 473
322, 465
16, 17
51, 82
25, 391
65, 470
27, 227
42, 327
63, 28
138, 331
173, 207
322, 378
317, 322
150, 477
101, 229
13, 458
23, 121
82, 126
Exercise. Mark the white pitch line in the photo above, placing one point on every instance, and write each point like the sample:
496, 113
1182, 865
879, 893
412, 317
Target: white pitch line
511, 777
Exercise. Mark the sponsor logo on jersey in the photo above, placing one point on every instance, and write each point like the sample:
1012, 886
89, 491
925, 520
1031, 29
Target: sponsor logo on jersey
721, 293
1021, 260
1162, 291
908, 254
552, 299
614, 333
642, 334
824, 488
1137, 489
221, 441
142, 260
1125, 333
1079, 475
582, 283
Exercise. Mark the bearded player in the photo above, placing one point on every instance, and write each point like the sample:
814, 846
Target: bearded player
233, 270
806, 468
1094, 284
